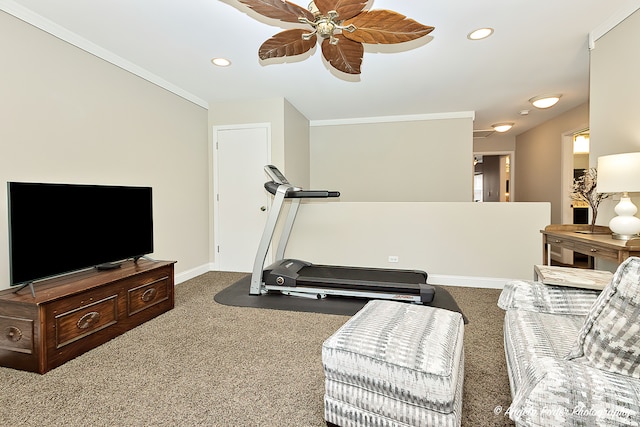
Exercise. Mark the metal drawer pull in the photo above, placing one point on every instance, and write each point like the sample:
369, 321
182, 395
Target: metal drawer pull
13, 334
557, 241
148, 295
88, 320
593, 250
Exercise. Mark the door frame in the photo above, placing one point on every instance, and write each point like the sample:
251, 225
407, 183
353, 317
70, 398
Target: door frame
214, 176
565, 256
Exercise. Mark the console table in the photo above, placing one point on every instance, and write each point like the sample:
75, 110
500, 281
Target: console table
598, 245
75, 313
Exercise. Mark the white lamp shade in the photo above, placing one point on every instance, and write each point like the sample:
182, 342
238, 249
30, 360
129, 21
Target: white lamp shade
619, 173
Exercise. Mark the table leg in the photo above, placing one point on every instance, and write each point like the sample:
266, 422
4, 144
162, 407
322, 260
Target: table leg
546, 254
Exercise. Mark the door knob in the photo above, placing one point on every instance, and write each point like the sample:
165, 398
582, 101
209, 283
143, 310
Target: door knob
263, 208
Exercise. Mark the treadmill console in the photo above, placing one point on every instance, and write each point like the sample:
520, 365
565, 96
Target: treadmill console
275, 175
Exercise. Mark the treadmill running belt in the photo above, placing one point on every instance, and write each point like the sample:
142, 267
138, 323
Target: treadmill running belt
360, 274
362, 279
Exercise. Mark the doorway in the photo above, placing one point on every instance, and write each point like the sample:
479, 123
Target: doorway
493, 177
575, 160
581, 211
241, 203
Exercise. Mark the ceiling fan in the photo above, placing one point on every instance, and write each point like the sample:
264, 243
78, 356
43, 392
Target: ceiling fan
342, 25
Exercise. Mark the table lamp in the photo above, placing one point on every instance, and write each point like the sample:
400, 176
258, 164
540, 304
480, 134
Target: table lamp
620, 173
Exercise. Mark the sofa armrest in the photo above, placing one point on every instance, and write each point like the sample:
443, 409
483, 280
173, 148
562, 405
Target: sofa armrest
536, 296
572, 393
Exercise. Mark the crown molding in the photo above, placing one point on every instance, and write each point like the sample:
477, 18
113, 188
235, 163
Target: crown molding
389, 119
38, 21
612, 22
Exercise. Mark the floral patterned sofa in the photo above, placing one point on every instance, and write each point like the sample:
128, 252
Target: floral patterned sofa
573, 355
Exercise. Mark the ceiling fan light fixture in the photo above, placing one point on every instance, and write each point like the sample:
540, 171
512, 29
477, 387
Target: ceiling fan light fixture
480, 33
340, 27
502, 127
221, 62
545, 101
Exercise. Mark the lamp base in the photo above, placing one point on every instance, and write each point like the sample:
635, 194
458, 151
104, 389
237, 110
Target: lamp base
625, 226
617, 236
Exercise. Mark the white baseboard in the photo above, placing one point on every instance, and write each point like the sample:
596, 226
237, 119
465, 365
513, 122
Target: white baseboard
467, 281
194, 272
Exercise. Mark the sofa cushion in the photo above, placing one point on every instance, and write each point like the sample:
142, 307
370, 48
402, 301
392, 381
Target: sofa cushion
610, 336
563, 393
530, 337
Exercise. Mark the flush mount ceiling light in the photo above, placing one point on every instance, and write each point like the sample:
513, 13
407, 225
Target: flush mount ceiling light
341, 26
545, 101
480, 33
502, 127
221, 62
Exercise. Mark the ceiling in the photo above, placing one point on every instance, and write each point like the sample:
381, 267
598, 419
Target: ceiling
538, 47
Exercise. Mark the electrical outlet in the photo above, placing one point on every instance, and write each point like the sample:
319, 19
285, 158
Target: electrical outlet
393, 258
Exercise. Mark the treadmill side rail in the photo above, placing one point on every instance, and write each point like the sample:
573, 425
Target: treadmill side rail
427, 293
283, 272
320, 293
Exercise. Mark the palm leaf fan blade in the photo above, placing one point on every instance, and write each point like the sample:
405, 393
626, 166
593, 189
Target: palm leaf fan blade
286, 43
278, 9
345, 56
385, 27
345, 8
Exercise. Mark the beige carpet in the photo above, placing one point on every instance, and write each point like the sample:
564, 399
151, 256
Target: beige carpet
206, 364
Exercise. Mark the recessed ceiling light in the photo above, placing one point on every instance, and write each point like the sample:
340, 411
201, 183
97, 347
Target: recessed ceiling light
221, 62
545, 101
480, 33
502, 127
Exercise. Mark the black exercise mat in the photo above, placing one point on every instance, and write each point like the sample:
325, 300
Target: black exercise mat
238, 295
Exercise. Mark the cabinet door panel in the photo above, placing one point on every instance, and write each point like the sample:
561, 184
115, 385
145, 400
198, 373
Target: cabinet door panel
145, 296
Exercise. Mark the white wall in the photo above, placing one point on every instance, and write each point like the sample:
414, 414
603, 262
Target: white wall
296, 146
427, 159
615, 110
68, 116
615, 91
406, 188
447, 240
539, 160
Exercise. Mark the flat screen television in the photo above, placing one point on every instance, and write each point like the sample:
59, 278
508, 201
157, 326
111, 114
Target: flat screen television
60, 228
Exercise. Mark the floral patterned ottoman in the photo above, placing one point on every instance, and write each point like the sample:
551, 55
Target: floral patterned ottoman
395, 364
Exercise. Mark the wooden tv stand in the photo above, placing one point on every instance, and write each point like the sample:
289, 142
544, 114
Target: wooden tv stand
75, 313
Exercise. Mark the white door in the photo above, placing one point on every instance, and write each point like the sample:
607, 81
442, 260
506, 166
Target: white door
241, 202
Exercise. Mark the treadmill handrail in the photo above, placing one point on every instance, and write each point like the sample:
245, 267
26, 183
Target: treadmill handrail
298, 193
311, 194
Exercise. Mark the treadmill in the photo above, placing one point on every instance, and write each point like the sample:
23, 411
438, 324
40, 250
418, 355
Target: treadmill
301, 278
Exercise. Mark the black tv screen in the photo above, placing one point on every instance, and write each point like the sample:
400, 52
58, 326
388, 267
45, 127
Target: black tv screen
60, 228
